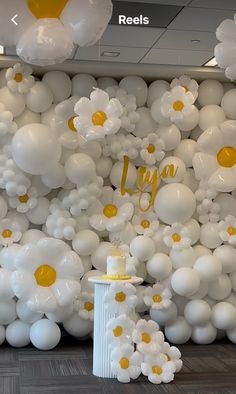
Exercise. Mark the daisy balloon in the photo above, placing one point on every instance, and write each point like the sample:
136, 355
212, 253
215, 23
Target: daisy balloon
10, 232
152, 149
145, 223
85, 305
25, 202
173, 354
216, 161
190, 85
120, 298
126, 363
47, 275
158, 297
7, 126
120, 145
177, 104
61, 225
227, 230
119, 330
176, 236
111, 213
97, 116
19, 78
158, 369
147, 337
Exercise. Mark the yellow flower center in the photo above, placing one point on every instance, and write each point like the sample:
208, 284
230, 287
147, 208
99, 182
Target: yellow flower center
117, 331
99, 118
151, 148
71, 124
23, 199
45, 275
231, 230
157, 298
7, 233
120, 297
145, 223
18, 77
176, 237
178, 105
110, 210
88, 306
227, 156
124, 363
146, 338
157, 370
46, 9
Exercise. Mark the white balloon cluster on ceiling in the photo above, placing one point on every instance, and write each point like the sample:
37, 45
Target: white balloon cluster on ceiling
225, 51
86, 163
47, 30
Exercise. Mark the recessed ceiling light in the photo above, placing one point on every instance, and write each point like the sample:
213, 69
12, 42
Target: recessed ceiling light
211, 63
110, 54
195, 41
1, 50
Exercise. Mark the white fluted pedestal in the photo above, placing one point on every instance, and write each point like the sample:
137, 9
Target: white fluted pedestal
101, 346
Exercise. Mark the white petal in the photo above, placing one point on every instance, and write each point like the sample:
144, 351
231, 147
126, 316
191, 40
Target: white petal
65, 291
223, 180
126, 211
211, 141
204, 165
23, 283
42, 300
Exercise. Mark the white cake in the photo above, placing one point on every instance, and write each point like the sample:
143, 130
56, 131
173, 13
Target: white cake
116, 266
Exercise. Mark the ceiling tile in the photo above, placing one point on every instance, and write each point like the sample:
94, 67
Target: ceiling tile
178, 39
132, 55
220, 4
167, 2
177, 57
130, 36
200, 19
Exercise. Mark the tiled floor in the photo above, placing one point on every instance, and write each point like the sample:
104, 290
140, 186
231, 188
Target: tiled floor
67, 370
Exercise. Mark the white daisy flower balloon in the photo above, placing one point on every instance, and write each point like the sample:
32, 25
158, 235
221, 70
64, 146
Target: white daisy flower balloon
111, 213
173, 354
85, 305
125, 363
158, 369
47, 275
145, 223
147, 337
152, 149
158, 297
10, 232
120, 298
190, 85
177, 104
19, 78
24, 202
176, 236
216, 161
119, 330
227, 229
7, 126
97, 116
61, 225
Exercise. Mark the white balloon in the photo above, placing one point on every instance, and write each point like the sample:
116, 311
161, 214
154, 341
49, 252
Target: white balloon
142, 247
210, 92
183, 257
208, 267
233, 280
224, 316
61, 314
48, 117
3, 208
185, 151
106, 82
13, 102
179, 172
204, 334
35, 148
227, 256
194, 229
80, 169
26, 314
209, 236
228, 104
83, 85
178, 332
45, 334
185, 281
27, 117
2, 335
156, 91
99, 256
104, 166
221, 288
20, 218
7, 256
201, 250
7, 311
159, 266
146, 125
18, 334
125, 236
227, 205
136, 86
85, 242
116, 175
201, 293
197, 312
39, 214
59, 83
189, 122
157, 113
170, 135
210, 116
6, 291
175, 203
231, 334
78, 327
55, 177
89, 286
180, 302
164, 316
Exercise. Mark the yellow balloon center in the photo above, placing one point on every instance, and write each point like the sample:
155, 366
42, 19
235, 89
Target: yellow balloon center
178, 105
157, 298
120, 297
7, 233
45, 275
117, 331
157, 370
231, 230
18, 77
110, 210
71, 124
88, 306
151, 148
227, 156
146, 338
46, 8
99, 118
24, 199
145, 223
124, 363
176, 237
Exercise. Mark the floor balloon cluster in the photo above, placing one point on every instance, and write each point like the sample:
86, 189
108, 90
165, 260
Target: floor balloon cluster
86, 164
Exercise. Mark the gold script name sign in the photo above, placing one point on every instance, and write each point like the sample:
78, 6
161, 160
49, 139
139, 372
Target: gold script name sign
146, 178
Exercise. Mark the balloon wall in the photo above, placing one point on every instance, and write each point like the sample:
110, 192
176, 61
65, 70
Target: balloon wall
87, 163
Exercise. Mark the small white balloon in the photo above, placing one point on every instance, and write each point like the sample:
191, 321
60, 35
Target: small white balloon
156, 91
170, 135
157, 113
221, 288
55, 177
106, 82
228, 104
227, 256
159, 266
26, 314
116, 175
142, 247
7, 311
185, 281
78, 327
178, 332
136, 86
85, 242
204, 334
39, 98
104, 166
210, 116
197, 312
83, 85
185, 151
18, 334
209, 235
27, 117
45, 334
39, 214
164, 316
80, 169
208, 267
59, 83
210, 92
224, 316
179, 169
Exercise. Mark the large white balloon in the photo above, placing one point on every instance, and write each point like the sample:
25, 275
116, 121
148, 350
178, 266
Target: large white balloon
39, 98
185, 281
80, 169
136, 86
18, 334
59, 83
208, 267
210, 92
45, 334
224, 316
228, 103
178, 332
197, 312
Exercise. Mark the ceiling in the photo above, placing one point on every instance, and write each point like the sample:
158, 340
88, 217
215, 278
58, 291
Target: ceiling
181, 32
